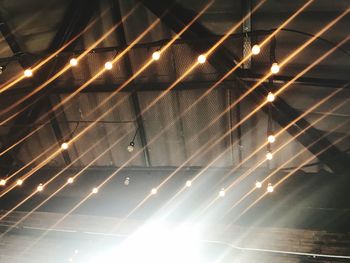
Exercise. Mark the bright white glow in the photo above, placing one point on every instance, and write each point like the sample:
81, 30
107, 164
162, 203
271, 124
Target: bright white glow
222, 192
2, 182
70, 259
275, 68
73, 62
270, 97
188, 183
76, 251
108, 65
40, 187
157, 242
270, 188
70, 180
271, 138
19, 182
64, 146
269, 156
201, 59
258, 184
95, 190
156, 55
256, 49
154, 191
28, 73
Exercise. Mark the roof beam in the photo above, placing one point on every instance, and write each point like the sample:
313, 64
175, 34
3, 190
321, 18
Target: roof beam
177, 17
77, 16
120, 32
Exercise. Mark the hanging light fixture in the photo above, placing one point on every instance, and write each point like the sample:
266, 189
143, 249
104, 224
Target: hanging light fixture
19, 182
108, 65
64, 146
222, 192
271, 138
73, 62
258, 184
156, 55
275, 68
269, 155
270, 97
201, 59
40, 187
28, 73
270, 188
2, 182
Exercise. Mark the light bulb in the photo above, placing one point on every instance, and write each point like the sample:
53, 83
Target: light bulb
256, 49
270, 97
154, 191
70, 259
108, 65
95, 190
270, 188
40, 187
275, 68
258, 184
127, 181
28, 73
76, 251
222, 192
70, 180
73, 62
188, 183
131, 147
201, 59
64, 146
19, 182
269, 156
2, 182
271, 138
156, 55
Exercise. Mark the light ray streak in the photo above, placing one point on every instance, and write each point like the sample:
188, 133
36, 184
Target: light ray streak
288, 175
68, 66
20, 77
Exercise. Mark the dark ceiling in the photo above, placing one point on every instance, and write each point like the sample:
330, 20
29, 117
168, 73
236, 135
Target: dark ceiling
182, 131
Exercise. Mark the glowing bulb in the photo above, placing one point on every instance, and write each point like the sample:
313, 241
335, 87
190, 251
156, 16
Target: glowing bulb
70, 180
95, 190
73, 62
269, 156
76, 251
40, 187
108, 65
2, 182
275, 68
258, 184
270, 97
222, 192
127, 181
271, 138
64, 146
154, 191
269, 188
131, 147
70, 259
201, 59
156, 55
28, 73
19, 182
256, 49
188, 183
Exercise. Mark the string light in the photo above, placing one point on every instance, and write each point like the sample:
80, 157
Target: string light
188, 183
2, 182
258, 184
73, 62
95, 190
270, 97
154, 191
40, 187
28, 73
270, 188
156, 55
271, 138
275, 68
256, 49
131, 147
222, 192
108, 65
64, 146
70, 180
19, 182
201, 59
269, 155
